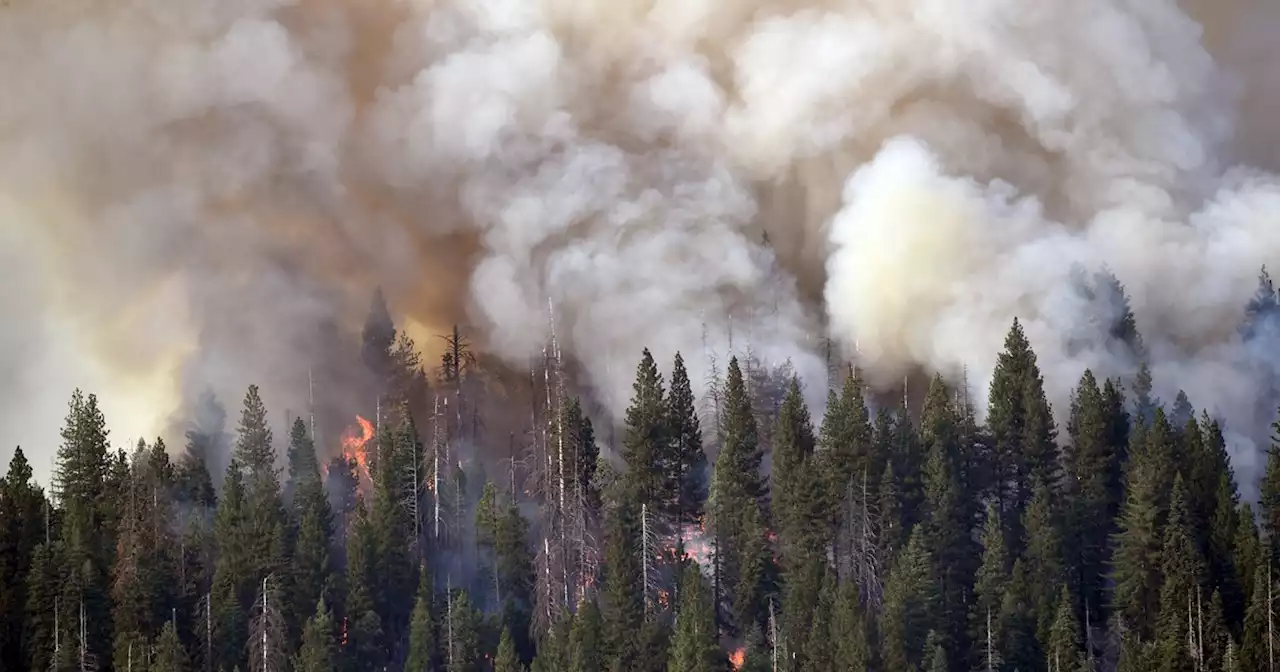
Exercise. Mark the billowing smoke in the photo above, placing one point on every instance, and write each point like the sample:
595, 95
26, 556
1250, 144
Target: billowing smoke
190, 191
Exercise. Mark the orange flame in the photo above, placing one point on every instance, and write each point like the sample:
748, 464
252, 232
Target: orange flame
355, 445
738, 658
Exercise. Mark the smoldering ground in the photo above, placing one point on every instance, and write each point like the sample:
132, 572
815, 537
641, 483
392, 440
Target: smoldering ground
191, 189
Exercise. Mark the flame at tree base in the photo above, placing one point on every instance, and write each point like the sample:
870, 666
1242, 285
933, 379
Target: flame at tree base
738, 658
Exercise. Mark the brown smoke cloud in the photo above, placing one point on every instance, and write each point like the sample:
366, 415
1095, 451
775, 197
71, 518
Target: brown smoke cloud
188, 189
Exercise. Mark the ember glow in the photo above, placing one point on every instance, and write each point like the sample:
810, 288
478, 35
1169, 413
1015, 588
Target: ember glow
697, 546
355, 446
737, 658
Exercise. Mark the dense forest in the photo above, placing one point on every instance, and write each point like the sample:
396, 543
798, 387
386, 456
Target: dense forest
725, 530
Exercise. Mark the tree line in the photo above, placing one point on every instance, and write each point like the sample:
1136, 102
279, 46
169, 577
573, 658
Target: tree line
733, 531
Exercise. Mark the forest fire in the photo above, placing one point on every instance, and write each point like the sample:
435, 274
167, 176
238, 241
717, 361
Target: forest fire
737, 658
696, 544
355, 446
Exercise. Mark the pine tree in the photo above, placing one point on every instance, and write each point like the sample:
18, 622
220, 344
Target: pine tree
312, 580
462, 652
1247, 552
1063, 646
318, 653
1043, 555
22, 505
624, 608
1136, 560
737, 485
1212, 631
1183, 570
506, 660
553, 648
1258, 643
422, 644
685, 433
909, 605
694, 647
392, 528
1093, 489
378, 339
851, 650
254, 449
819, 647
849, 468
948, 522
936, 660
169, 655
645, 446
989, 586
753, 565
1021, 427
587, 640
515, 576
364, 641
1017, 620
87, 485
43, 581
1269, 495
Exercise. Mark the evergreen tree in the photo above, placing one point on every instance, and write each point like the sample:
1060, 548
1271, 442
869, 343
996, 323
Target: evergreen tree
422, 643
169, 655
364, 641
1259, 639
948, 520
1136, 560
936, 653
587, 640
1183, 573
1021, 427
909, 606
1093, 488
851, 650
311, 581
1043, 555
254, 449
989, 586
1063, 645
22, 528
391, 529
553, 649
737, 485
378, 340
462, 644
43, 582
1022, 649
88, 486
515, 576
318, 652
753, 564
507, 660
819, 648
694, 647
685, 434
1269, 495
1247, 553
207, 445
624, 609
645, 445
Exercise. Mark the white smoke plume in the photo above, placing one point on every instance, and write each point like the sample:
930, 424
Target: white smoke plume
188, 189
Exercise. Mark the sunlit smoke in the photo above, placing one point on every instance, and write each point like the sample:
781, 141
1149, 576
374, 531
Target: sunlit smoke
192, 191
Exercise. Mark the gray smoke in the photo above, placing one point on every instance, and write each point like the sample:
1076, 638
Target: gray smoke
190, 189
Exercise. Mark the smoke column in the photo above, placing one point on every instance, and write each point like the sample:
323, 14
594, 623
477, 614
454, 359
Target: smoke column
188, 189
